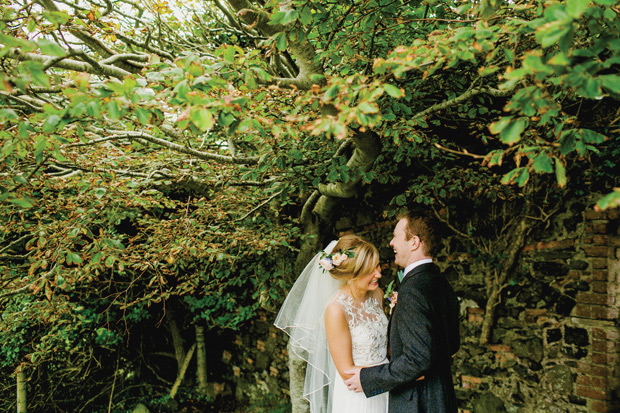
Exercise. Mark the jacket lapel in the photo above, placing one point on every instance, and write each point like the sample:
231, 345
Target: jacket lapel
407, 277
416, 270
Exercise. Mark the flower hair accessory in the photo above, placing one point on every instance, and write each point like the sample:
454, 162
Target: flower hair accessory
329, 261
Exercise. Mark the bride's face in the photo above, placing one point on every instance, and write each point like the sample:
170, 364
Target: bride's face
369, 282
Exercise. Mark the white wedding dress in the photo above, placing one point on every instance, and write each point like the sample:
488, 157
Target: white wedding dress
368, 326
302, 318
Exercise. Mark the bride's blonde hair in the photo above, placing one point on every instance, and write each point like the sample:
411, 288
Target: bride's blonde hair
364, 261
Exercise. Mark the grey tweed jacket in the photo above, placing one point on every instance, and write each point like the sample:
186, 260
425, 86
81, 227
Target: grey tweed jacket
423, 335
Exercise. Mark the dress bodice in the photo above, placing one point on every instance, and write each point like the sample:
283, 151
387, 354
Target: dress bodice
368, 326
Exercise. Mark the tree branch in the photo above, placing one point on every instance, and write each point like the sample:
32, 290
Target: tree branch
259, 206
465, 96
69, 64
173, 146
17, 241
461, 152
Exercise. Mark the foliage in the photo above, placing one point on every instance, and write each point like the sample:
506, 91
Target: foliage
182, 157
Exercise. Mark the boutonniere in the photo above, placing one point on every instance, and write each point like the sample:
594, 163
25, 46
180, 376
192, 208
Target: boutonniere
391, 295
393, 298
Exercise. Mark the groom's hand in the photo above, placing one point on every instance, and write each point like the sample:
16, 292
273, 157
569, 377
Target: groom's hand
354, 383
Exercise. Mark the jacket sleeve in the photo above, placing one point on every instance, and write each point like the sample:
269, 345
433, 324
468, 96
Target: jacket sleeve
412, 319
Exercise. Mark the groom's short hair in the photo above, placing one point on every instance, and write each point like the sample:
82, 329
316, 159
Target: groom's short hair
426, 227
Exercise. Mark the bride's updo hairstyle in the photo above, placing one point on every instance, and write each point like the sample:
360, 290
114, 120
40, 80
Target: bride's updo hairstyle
364, 261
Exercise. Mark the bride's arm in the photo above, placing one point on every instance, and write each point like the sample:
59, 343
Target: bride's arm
339, 339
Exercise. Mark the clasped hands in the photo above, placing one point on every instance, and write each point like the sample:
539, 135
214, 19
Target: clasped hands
354, 384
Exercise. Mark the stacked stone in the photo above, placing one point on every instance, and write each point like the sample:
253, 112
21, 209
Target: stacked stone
597, 311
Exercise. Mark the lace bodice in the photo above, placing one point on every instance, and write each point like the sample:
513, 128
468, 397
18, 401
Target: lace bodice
368, 327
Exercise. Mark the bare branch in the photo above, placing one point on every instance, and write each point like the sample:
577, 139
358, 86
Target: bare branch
23, 100
145, 46
70, 64
465, 96
461, 152
29, 285
17, 241
259, 206
173, 146
125, 57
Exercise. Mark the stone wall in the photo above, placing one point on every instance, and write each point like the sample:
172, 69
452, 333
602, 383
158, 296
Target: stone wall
258, 361
556, 340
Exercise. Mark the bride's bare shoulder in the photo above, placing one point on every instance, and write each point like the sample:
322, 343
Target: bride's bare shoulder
334, 311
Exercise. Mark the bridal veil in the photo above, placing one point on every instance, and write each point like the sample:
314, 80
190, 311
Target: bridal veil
302, 318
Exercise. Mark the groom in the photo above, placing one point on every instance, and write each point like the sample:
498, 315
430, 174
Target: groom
423, 331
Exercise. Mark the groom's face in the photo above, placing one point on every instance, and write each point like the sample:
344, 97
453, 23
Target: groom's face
403, 248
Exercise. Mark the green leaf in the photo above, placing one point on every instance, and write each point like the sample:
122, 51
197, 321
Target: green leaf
331, 93
8, 114
99, 192
542, 163
202, 118
296, 154
559, 59
400, 200
56, 17
611, 200
590, 136
560, 172
143, 115
93, 109
512, 175
22, 202
182, 88
50, 123
611, 83
523, 177
306, 15
39, 77
32, 25
95, 258
367, 107
51, 48
109, 262
575, 8
512, 133
552, 33
73, 258
498, 126
289, 16
281, 42
567, 141
229, 54
393, 91
113, 110
276, 18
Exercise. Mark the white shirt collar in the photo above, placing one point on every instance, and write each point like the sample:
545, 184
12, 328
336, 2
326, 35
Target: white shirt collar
411, 266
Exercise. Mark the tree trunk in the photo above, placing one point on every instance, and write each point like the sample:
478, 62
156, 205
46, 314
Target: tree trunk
489, 316
498, 281
177, 341
297, 375
201, 359
21, 392
181, 375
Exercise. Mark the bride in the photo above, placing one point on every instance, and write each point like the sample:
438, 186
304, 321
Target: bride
334, 317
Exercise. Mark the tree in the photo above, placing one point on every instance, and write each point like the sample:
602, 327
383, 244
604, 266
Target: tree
193, 157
